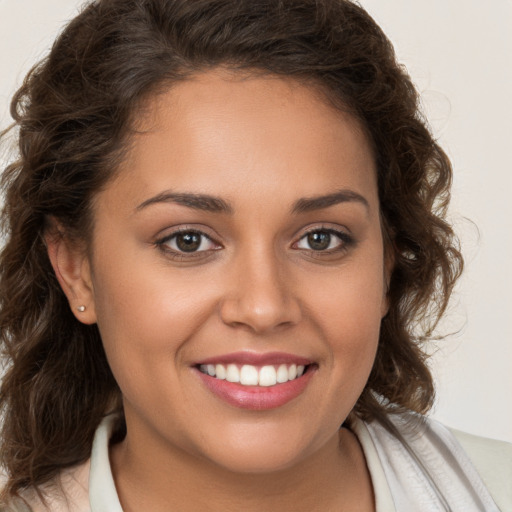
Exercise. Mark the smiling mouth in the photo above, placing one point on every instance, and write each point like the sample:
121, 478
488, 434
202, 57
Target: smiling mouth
250, 375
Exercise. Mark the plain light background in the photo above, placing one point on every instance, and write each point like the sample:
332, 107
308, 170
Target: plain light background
459, 54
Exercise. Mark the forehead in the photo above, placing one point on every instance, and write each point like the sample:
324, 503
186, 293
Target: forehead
222, 133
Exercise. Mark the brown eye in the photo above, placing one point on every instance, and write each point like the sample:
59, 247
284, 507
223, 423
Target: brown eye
188, 242
319, 240
327, 240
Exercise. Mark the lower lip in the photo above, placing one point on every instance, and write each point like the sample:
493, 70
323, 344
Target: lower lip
257, 398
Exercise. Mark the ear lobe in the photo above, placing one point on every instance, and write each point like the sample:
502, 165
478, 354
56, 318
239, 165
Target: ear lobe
72, 269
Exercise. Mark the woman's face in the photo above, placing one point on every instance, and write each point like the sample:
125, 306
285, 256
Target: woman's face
240, 240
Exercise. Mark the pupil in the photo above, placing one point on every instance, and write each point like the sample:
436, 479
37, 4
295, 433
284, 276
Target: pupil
188, 242
319, 240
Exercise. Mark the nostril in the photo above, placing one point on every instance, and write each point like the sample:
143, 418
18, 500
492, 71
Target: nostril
260, 314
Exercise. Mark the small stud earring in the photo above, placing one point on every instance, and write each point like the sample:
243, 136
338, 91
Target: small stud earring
81, 309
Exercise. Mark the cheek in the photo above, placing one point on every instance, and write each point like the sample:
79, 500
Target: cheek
348, 309
146, 313
144, 323
143, 314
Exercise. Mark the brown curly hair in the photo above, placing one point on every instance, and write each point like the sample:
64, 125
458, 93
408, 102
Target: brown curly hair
74, 113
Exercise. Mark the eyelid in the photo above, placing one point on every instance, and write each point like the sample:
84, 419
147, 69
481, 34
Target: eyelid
344, 235
171, 231
162, 242
346, 240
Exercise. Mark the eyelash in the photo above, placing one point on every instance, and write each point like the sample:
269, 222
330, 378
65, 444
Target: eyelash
345, 242
163, 244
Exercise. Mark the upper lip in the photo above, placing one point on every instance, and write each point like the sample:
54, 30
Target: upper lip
257, 359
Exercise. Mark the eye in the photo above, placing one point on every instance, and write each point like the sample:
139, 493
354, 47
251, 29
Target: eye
189, 241
328, 240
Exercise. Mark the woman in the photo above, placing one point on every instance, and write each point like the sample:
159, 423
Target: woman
224, 230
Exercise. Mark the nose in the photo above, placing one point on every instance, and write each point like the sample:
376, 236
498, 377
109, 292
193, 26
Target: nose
261, 295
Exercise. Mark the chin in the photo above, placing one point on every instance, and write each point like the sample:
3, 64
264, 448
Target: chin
268, 451
260, 462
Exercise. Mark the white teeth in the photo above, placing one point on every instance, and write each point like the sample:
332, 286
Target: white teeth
249, 375
232, 373
268, 376
282, 374
220, 371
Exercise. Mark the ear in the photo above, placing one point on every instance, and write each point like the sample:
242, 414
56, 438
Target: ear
72, 268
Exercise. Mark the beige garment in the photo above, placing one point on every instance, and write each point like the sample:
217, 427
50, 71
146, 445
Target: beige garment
74, 482
493, 460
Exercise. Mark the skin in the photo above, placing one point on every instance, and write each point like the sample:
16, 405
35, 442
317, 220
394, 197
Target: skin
260, 145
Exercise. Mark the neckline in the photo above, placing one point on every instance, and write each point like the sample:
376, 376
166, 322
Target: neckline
104, 498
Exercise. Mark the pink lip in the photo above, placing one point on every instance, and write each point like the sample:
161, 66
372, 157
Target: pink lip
256, 359
257, 398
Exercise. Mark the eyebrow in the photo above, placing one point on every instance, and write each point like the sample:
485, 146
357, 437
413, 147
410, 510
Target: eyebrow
196, 201
214, 204
309, 204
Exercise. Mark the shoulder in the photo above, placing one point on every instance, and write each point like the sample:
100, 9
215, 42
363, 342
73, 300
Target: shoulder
478, 457
68, 492
74, 488
493, 461
420, 453
82, 487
